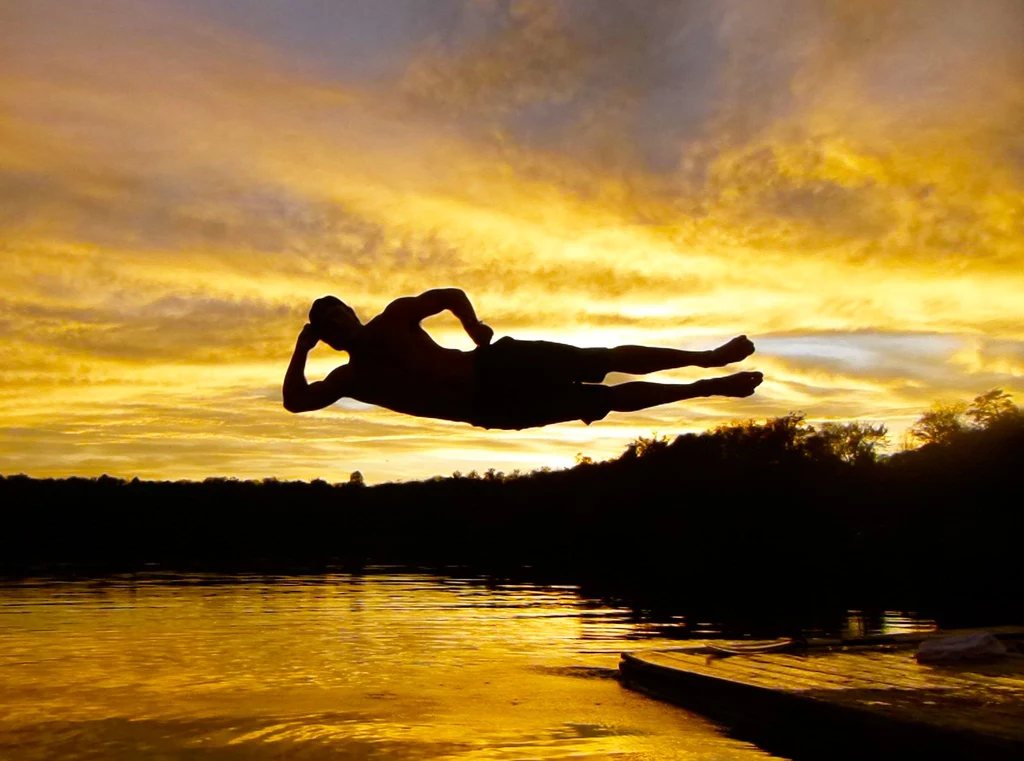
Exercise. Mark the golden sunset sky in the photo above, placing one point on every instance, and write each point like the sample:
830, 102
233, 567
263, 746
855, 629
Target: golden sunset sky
842, 180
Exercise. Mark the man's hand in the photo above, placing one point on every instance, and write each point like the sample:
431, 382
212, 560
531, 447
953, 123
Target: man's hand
480, 333
307, 340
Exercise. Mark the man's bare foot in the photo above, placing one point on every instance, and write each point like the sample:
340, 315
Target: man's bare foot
737, 384
735, 350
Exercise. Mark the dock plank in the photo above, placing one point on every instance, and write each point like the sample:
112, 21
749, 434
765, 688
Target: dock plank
964, 710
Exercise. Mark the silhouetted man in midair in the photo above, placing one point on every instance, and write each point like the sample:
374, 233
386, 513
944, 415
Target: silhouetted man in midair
509, 384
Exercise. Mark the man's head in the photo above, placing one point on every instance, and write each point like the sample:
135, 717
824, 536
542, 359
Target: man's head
334, 321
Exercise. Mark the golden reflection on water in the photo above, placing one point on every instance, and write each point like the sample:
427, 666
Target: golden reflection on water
389, 666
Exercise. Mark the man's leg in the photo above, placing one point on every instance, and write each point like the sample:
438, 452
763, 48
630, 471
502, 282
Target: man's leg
640, 360
639, 395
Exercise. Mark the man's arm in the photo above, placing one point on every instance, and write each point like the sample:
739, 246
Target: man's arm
438, 300
300, 396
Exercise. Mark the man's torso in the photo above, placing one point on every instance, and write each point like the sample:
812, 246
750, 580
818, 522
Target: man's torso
397, 365
510, 384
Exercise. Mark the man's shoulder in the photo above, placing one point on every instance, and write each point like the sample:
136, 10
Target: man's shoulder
425, 304
397, 312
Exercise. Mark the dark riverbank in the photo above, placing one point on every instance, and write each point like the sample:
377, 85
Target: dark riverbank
755, 517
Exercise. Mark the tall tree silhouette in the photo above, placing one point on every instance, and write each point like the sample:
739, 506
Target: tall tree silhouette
941, 424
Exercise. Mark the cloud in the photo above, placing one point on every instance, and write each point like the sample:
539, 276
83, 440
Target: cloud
845, 180
996, 361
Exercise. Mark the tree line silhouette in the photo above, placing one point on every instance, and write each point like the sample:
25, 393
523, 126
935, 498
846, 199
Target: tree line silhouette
774, 513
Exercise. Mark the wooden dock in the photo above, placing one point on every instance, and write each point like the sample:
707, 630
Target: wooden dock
844, 699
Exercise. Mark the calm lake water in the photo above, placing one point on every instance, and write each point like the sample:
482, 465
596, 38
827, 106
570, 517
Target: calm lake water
382, 666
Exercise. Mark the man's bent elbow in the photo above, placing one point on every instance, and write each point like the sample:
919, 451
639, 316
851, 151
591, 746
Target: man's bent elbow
292, 405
